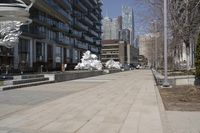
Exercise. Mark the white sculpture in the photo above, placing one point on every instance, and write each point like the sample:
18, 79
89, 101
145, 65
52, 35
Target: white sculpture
12, 17
111, 64
89, 62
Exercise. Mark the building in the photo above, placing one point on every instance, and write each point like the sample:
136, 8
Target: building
132, 55
132, 50
114, 49
106, 28
118, 38
111, 28
120, 51
125, 35
120, 22
115, 27
61, 31
146, 48
128, 21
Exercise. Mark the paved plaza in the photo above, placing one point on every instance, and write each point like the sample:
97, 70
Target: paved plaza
126, 102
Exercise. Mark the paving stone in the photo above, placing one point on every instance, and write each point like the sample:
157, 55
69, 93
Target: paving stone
114, 103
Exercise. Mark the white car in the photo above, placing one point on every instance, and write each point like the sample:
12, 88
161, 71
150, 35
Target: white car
138, 67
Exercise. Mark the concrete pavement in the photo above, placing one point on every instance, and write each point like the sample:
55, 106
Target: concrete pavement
126, 102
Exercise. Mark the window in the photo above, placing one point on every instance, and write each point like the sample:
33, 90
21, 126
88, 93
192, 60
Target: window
24, 50
39, 51
58, 54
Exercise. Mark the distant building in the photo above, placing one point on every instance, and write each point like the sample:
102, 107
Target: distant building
119, 51
125, 35
118, 38
115, 27
114, 49
146, 48
111, 28
120, 22
106, 28
133, 52
128, 21
132, 55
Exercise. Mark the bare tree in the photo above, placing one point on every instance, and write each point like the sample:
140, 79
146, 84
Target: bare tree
185, 22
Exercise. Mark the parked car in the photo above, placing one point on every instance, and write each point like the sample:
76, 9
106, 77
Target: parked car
132, 66
138, 67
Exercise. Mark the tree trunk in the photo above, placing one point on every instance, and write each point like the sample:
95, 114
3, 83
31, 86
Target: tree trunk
187, 43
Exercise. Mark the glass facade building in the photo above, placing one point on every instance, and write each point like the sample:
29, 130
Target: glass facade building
111, 28
128, 21
61, 31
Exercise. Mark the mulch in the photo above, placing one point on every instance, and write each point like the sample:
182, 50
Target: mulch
181, 98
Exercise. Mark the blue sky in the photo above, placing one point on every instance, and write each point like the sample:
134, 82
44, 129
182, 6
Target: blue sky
112, 8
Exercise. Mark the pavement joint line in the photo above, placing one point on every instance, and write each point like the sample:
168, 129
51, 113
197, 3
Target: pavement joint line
41, 104
103, 99
3, 117
129, 111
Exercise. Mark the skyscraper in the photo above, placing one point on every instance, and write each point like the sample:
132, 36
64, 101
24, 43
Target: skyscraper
114, 29
111, 28
124, 35
106, 28
128, 21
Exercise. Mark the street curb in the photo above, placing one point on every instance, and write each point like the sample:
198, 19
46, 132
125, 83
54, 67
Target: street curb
163, 115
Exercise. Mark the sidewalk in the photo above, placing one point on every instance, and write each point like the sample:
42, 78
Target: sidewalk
125, 103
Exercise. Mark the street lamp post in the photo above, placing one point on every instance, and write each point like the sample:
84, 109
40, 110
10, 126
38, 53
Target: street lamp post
165, 83
156, 45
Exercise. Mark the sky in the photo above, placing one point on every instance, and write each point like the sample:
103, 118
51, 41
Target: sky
112, 8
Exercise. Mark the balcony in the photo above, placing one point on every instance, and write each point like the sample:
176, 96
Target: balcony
93, 2
64, 27
87, 21
98, 27
65, 4
98, 42
88, 39
94, 49
98, 23
79, 25
58, 9
93, 16
100, 3
37, 34
94, 33
33, 32
88, 4
77, 34
64, 13
80, 6
62, 40
81, 45
77, 14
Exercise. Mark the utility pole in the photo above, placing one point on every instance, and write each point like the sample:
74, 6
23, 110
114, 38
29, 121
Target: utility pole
165, 83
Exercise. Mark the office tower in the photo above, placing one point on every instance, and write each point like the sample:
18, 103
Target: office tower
128, 21
111, 28
125, 35
106, 28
